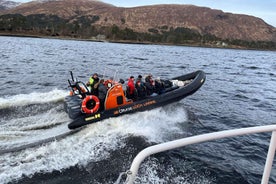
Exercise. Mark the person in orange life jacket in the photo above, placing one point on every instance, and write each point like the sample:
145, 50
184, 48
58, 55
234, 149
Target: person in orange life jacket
93, 83
131, 87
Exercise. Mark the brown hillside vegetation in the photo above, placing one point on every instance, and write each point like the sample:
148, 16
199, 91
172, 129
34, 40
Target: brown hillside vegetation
63, 8
156, 19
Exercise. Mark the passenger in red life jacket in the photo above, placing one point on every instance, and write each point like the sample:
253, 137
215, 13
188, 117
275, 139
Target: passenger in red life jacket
131, 91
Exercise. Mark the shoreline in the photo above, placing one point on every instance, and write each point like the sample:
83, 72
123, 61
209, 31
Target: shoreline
134, 42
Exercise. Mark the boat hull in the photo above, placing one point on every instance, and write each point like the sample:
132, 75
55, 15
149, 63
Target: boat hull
171, 95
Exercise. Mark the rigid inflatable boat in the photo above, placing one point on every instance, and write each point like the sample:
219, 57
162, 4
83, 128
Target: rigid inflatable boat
83, 107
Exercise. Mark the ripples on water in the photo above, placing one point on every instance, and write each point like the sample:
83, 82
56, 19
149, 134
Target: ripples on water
239, 92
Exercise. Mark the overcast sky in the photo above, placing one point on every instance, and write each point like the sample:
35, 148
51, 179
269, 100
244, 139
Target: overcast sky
265, 9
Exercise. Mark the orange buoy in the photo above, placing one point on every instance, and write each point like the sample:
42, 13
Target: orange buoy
90, 104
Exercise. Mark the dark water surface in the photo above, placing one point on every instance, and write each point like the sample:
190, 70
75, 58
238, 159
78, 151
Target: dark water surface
240, 91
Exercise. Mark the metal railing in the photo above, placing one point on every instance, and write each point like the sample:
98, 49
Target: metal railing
131, 174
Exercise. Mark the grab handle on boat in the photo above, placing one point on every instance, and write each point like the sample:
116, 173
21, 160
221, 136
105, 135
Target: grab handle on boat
132, 172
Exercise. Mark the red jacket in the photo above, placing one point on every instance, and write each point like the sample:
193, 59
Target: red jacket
131, 87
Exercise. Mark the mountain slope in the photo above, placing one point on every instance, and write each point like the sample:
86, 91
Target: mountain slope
62, 8
157, 19
4, 5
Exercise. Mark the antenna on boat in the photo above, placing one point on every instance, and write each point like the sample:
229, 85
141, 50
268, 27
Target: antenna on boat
72, 76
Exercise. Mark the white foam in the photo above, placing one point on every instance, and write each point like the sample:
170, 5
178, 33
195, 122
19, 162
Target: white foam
29, 129
32, 98
153, 125
77, 149
92, 144
151, 167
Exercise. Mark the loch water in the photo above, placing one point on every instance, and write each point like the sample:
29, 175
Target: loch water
240, 91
